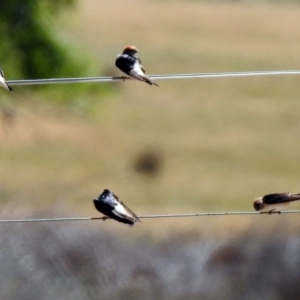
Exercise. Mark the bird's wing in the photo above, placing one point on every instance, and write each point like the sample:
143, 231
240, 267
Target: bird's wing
140, 63
294, 197
280, 198
122, 210
143, 69
9, 88
131, 212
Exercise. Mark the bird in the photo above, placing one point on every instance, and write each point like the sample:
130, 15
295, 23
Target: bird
131, 65
3, 81
275, 202
111, 206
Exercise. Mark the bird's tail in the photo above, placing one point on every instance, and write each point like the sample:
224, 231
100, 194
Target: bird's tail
10, 89
150, 81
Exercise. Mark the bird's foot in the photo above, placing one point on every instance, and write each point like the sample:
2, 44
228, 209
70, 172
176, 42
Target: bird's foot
104, 218
124, 78
274, 212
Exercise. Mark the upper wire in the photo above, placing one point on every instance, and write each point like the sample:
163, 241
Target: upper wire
156, 77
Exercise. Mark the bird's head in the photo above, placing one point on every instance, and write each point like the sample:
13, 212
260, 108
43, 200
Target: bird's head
258, 204
106, 193
130, 50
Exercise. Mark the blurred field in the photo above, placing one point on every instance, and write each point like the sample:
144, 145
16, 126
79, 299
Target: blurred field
220, 142
188, 146
85, 264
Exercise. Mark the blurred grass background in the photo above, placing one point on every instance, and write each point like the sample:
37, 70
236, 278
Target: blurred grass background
219, 142
188, 146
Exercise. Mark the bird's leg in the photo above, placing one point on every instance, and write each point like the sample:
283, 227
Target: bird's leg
125, 77
105, 218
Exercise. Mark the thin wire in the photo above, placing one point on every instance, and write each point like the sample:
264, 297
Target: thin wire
156, 77
152, 216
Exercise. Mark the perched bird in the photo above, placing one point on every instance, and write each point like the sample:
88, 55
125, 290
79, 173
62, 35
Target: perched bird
111, 206
3, 82
275, 202
131, 65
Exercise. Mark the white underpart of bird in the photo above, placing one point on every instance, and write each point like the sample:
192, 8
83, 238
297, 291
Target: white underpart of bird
276, 207
120, 209
3, 82
137, 70
139, 74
